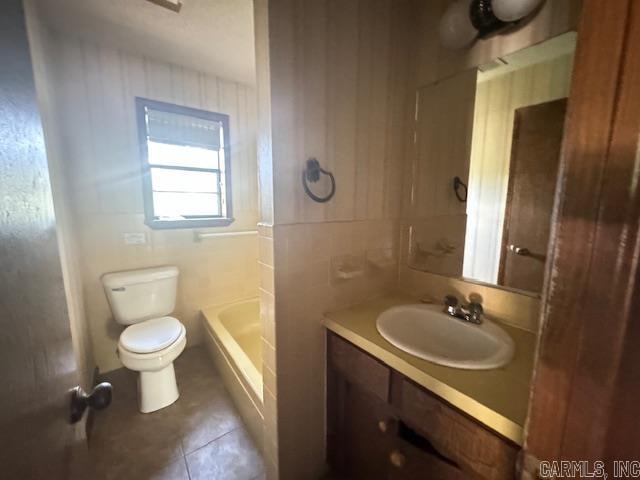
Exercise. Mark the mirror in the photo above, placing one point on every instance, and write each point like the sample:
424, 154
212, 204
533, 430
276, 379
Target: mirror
487, 147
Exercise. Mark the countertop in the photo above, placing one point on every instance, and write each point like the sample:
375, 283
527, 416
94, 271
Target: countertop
497, 398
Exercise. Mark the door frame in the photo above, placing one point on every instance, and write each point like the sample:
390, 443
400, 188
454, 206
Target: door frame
586, 384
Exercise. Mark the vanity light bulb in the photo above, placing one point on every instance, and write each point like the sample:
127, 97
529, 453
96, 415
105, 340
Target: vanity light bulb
456, 30
513, 10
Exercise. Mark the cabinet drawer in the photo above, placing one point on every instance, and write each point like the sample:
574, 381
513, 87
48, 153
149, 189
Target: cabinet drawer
358, 367
475, 449
407, 462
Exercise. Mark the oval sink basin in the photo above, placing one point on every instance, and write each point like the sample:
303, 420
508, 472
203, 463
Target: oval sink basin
426, 332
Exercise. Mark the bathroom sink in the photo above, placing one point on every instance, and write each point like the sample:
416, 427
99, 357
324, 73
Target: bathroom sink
427, 332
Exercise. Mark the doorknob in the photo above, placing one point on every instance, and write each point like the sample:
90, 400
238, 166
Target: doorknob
98, 399
519, 250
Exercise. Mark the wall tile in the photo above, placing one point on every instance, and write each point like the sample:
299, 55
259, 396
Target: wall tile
266, 278
304, 291
268, 355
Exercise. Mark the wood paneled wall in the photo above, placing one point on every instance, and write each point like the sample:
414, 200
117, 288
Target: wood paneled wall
337, 81
338, 91
97, 87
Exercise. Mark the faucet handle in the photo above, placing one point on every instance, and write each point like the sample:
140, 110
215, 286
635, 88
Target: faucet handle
450, 301
475, 312
476, 307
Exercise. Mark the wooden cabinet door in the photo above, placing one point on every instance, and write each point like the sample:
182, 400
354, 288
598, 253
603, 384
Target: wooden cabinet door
367, 446
399, 431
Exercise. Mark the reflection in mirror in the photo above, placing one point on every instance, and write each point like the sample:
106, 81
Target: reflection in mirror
487, 153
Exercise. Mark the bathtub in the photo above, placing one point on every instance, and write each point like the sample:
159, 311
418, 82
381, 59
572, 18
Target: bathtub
232, 337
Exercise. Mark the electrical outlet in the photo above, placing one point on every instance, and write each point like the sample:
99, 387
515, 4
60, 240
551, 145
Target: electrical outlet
134, 238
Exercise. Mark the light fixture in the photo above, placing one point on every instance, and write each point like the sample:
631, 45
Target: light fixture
466, 20
455, 29
483, 18
513, 10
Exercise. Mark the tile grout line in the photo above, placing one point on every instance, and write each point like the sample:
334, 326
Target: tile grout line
184, 459
211, 441
186, 465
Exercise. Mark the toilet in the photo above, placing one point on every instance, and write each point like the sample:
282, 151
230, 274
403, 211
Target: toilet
142, 300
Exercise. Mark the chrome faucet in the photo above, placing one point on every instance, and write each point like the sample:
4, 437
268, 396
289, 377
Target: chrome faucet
472, 312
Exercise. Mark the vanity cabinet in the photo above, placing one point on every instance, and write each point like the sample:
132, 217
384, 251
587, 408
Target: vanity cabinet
381, 425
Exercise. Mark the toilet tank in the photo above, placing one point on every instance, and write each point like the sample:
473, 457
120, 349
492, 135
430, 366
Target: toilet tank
138, 295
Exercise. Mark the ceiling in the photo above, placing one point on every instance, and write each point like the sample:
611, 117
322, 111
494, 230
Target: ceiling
214, 36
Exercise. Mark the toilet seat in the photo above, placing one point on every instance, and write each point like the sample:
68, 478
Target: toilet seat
151, 335
157, 387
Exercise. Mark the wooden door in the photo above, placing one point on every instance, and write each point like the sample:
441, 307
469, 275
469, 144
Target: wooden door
37, 363
586, 384
535, 154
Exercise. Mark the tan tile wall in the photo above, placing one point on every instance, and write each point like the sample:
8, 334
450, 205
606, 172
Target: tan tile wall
267, 316
212, 272
306, 288
97, 87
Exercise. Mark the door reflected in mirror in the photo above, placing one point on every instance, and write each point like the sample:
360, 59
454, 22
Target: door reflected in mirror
487, 153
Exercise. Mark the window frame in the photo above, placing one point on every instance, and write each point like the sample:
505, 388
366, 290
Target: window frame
147, 187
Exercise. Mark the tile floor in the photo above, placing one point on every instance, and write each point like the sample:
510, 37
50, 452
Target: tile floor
199, 437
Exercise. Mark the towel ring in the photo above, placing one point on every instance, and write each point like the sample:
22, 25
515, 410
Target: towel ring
312, 174
457, 184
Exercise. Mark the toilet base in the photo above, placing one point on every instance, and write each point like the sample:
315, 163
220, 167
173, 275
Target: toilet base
157, 389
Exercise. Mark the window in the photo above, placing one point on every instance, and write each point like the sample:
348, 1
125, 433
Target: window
185, 165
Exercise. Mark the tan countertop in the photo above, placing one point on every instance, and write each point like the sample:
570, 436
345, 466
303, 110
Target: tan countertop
497, 398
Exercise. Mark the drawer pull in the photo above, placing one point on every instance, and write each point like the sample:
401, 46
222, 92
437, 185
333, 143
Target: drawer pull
397, 459
383, 426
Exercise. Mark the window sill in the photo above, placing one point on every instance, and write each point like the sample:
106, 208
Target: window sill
189, 223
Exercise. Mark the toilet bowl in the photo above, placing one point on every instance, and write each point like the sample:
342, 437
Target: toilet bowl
150, 348
141, 300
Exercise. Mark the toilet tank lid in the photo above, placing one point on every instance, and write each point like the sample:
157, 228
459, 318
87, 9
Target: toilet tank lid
134, 277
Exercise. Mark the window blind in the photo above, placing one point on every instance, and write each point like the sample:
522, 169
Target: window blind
174, 128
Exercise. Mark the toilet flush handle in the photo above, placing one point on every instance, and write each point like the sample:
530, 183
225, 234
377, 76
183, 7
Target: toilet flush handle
118, 289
